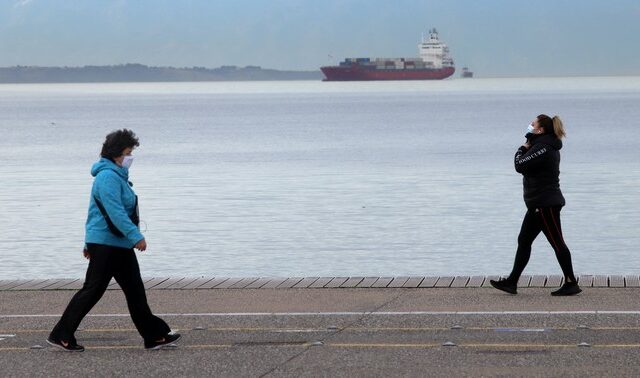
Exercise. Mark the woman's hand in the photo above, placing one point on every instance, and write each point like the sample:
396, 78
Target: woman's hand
85, 253
141, 245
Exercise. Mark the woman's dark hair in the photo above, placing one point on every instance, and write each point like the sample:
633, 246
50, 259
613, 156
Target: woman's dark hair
116, 142
552, 125
546, 123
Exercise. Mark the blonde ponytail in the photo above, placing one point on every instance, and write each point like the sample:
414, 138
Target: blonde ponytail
558, 127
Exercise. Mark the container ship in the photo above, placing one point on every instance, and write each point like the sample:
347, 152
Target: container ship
433, 63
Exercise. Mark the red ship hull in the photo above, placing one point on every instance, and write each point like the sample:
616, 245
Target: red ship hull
359, 73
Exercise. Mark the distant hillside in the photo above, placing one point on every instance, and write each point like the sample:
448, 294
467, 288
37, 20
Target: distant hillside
140, 72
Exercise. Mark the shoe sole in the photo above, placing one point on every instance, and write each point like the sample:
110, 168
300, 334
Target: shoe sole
168, 345
504, 289
567, 294
63, 348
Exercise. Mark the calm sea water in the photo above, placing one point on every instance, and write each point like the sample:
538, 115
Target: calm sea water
312, 178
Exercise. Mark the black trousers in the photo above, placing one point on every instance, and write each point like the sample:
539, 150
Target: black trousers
547, 220
108, 262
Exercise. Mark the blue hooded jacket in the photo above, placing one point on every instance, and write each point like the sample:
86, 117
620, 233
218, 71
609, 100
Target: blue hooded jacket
111, 187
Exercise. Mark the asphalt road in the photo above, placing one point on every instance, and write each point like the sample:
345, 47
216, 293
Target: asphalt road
336, 332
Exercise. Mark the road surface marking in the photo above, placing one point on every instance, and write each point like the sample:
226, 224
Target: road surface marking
344, 313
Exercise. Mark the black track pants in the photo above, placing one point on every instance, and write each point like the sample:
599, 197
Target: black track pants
547, 220
108, 262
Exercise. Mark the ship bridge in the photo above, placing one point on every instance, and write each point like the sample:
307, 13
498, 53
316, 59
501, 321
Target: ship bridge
433, 52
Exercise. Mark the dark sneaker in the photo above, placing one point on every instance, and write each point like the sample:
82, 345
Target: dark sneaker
67, 346
163, 342
504, 285
569, 288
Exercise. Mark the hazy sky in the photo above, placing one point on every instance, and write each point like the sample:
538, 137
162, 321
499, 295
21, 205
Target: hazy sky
492, 37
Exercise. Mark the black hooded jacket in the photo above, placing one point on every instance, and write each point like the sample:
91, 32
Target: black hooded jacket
540, 166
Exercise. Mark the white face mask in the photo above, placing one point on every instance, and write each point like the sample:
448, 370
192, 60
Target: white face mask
530, 129
127, 161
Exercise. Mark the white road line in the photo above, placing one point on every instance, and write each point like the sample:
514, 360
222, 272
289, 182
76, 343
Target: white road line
346, 313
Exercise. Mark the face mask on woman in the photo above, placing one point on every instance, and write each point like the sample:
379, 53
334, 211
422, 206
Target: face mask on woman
530, 129
127, 161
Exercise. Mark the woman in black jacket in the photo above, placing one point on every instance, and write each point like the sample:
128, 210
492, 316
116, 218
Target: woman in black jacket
538, 160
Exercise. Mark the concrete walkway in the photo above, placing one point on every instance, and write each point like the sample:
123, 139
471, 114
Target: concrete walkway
181, 283
336, 332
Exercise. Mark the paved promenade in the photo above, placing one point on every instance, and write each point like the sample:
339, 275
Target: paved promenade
284, 330
182, 283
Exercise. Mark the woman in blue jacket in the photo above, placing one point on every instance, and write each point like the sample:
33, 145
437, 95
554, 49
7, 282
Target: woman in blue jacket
111, 235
